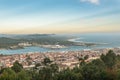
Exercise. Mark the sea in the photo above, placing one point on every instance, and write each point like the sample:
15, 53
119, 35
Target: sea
105, 40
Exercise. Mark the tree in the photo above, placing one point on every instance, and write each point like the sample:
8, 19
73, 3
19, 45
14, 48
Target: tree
37, 65
109, 59
86, 57
92, 72
54, 68
46, 61
45, 74
99, 63
22, 75
8, 74
69, 75
17, 67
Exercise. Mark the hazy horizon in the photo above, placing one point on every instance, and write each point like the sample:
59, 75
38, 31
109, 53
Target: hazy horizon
59, 16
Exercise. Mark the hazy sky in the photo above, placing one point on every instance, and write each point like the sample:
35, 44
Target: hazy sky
59, 16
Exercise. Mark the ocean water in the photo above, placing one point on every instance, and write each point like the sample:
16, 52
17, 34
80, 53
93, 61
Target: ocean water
105, 40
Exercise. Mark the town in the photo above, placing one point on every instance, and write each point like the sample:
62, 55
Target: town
63, 59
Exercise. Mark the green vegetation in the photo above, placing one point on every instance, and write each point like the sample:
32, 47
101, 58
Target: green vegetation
17, 67
105, 68
7, 42
43, 39
12, 42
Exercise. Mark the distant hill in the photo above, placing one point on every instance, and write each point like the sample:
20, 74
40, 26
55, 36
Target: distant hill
49, 39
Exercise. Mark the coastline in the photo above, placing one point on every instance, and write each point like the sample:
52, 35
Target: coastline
87, 49
74, 39
83, 43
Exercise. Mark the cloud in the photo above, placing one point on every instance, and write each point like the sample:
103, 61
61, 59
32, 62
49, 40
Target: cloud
91, 1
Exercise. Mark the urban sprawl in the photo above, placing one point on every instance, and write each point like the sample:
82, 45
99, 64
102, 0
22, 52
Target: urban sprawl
64, 59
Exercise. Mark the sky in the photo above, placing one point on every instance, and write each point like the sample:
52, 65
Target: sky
59, 16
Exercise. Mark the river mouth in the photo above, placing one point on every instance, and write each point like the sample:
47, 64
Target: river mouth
81, 42
34, 49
